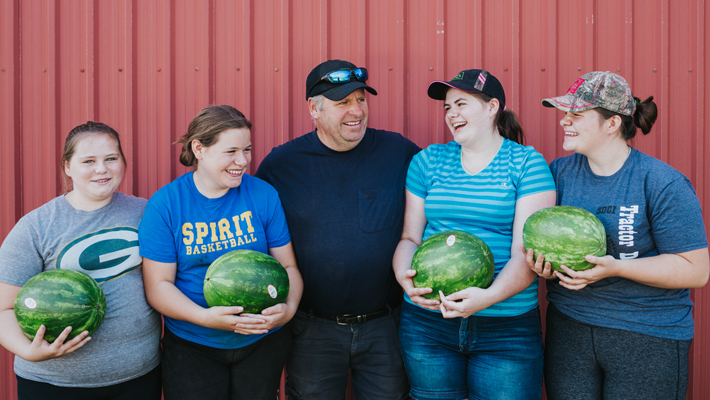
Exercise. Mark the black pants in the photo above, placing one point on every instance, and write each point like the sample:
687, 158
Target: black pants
194, 371
146, 387
584, 361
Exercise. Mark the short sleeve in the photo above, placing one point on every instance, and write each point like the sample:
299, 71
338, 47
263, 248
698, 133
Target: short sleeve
20, 254
677, 219
155, 234
535, 176
416, 175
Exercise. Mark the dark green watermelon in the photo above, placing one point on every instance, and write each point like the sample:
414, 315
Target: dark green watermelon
564, 235
246, 278
59, 298
451, 261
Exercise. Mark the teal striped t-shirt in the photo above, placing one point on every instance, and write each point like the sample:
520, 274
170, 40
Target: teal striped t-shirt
482, 204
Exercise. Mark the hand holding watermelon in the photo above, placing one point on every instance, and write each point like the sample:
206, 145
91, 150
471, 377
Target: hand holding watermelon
464, 303
269, 318
42, 350
604, 267
416, 294
540, 267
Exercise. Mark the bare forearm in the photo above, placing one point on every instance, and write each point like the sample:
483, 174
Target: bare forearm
515, 277
295, 290
11, 336
669, 271
402, 260
168, 300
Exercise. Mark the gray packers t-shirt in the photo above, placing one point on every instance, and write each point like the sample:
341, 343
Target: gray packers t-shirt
103, 244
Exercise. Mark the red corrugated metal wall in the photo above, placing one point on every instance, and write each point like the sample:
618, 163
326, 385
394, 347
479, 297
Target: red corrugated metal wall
146, 68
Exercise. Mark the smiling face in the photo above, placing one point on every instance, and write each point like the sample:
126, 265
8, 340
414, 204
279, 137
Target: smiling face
221, 166
585, 131
341, 124
468, 117
96, 169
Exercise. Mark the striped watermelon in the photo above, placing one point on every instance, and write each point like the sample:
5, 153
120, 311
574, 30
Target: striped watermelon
246, 278
451, 261
59, 298
564, 235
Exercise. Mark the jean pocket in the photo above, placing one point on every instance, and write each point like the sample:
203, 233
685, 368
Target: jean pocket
299, 324
379, 209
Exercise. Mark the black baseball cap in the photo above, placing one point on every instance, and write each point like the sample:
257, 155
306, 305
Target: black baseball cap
472, 81
333, 91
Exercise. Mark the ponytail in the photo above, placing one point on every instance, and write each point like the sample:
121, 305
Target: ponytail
506, 121
644, 117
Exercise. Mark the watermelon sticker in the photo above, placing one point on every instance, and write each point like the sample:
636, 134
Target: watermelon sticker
30, 303
450, 240
272, 291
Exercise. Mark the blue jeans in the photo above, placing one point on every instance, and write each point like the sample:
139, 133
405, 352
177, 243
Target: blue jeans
323, 353
476, 358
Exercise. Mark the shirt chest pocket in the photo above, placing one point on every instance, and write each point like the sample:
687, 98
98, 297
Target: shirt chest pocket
379, 209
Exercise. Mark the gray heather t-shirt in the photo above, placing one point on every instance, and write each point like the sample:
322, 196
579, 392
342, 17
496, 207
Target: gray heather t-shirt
104, 244
647, 208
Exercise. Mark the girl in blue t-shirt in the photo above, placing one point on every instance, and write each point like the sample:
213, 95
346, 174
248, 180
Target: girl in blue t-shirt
211, 353
475, 343
621, 330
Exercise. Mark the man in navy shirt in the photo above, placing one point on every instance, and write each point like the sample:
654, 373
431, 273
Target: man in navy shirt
342, 188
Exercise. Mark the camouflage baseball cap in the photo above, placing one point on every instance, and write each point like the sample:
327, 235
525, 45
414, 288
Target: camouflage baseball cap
596, 89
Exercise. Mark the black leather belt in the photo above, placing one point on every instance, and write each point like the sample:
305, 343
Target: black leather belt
349, 319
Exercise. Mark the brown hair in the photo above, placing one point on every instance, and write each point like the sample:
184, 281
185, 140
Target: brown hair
506, 121
644, 117
206, 127
80, 132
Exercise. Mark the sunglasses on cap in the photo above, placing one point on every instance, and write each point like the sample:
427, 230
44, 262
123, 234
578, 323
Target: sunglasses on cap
344, 75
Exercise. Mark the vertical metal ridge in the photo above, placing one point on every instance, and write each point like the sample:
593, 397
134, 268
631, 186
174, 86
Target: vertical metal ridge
284, 74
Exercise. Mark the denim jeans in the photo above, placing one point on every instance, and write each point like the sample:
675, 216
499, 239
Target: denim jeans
323, 353
476, 357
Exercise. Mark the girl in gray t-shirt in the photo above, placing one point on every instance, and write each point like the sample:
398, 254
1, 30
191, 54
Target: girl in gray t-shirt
622, 329
93, 229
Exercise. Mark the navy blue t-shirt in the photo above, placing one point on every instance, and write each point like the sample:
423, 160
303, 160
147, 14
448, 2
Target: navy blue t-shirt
647, 208
345, 211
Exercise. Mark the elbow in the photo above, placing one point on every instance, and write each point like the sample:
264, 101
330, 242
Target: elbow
702, 279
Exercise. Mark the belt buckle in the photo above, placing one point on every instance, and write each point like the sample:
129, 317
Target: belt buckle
349, 319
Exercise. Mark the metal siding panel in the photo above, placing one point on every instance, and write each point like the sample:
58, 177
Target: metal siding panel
308, 43
152, 127
699, 388
425, 26
268, 65
190, 65
9, 152
386, 65
38, 142
537, 59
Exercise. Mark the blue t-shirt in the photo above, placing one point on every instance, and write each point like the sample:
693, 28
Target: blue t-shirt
647, 208
182, 226
482, 204
345, 211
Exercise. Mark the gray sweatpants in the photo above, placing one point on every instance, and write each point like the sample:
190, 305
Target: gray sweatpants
584, 361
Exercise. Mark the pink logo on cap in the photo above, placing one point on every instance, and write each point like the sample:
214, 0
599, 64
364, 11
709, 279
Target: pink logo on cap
572, 89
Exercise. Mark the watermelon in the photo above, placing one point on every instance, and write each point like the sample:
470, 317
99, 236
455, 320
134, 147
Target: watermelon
59, 298
564, 235
246, 278
451, 261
